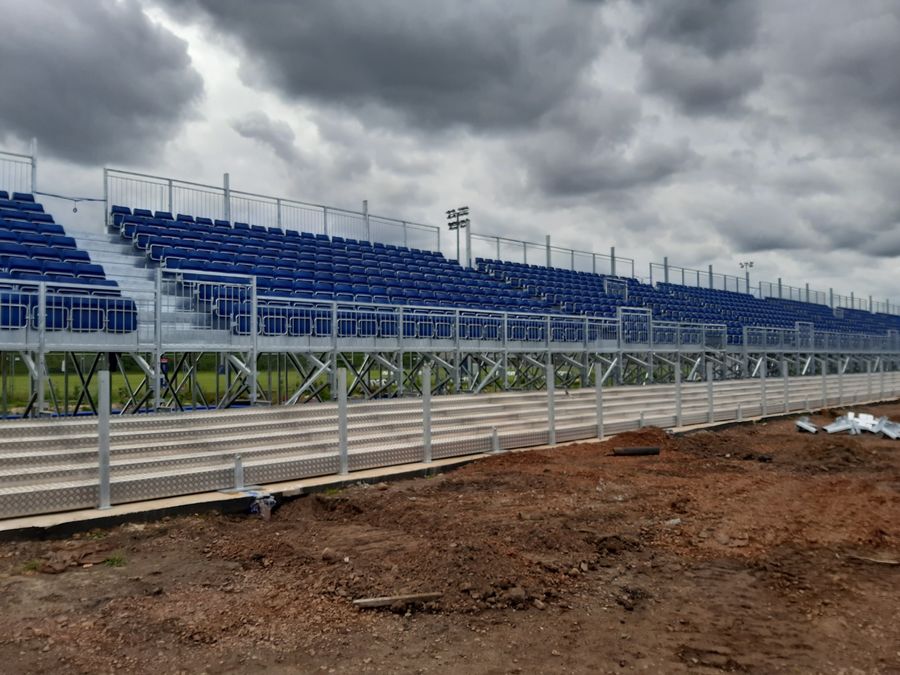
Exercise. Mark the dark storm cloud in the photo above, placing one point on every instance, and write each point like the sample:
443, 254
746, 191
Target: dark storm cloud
714, 27
92, 81
590, 145
698, 84
277, 135
697, 54
841, 72
438, 64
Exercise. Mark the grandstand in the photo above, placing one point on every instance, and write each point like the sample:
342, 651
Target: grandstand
203, 297
229, 280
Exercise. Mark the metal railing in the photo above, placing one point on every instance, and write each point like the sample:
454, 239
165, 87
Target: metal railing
16, 172
158, 193
491, 247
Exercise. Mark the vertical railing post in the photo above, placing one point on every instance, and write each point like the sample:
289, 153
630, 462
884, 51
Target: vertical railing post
278, 211
678, 393
711, 284
254, 333
498, 247
34, 161
612, 261
547, 247
763, 394
598, 386
226, 182
40, 365
709, 393
238, 473
343, 451
325, 220
840, 382
103, 432
157, 340
868, 379
406, 237
785, 384
665, 269
366, 220
824, 383
107, 217
426, 413
551, 401
593, 263
881, 378
170, 200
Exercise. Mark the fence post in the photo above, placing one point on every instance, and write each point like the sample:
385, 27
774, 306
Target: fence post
824, 383
468, 243
325, 220
598, 385
868, 380
764, 404
342, 421
426, 413
103, 431
226, 181
593, 263
254, 327
157, 338
709, 392
547, 246
678, 404
612, 261
881, 377
666, 269
551, 401
840, 383
278, 211
495, 441
785, 384
238, 472
498, 247
34, 161
366, 219
169, 199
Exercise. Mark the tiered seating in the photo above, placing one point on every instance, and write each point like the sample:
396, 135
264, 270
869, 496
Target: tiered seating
33, 248
593, 294
293, 265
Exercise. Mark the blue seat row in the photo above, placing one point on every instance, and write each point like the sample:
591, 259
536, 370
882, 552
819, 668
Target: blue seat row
77, 313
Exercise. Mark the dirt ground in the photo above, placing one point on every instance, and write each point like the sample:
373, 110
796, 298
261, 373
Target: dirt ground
754, 549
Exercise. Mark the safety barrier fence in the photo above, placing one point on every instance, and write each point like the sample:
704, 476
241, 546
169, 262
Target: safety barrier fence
196, 310
16, 172
101, 462
157, 193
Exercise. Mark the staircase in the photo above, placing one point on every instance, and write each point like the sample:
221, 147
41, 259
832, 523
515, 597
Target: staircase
51, 465
136, 277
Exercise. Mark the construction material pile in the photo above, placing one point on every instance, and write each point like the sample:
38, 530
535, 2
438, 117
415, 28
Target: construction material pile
854, 424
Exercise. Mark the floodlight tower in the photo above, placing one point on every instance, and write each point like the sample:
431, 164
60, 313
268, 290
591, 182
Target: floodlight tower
456, 220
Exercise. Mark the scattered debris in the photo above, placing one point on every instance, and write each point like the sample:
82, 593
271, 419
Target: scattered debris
856, 423
877, 561
389, 600
262, 505
636, 452
805, 425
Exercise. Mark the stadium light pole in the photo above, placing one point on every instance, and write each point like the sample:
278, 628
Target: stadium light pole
456, 220
746, 265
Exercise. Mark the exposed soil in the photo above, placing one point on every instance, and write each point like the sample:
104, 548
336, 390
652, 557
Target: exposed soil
752, 549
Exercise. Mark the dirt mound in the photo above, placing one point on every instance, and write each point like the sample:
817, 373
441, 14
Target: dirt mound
646, 437
837, 453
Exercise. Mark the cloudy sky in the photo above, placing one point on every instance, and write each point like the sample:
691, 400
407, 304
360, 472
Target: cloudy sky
710, 131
